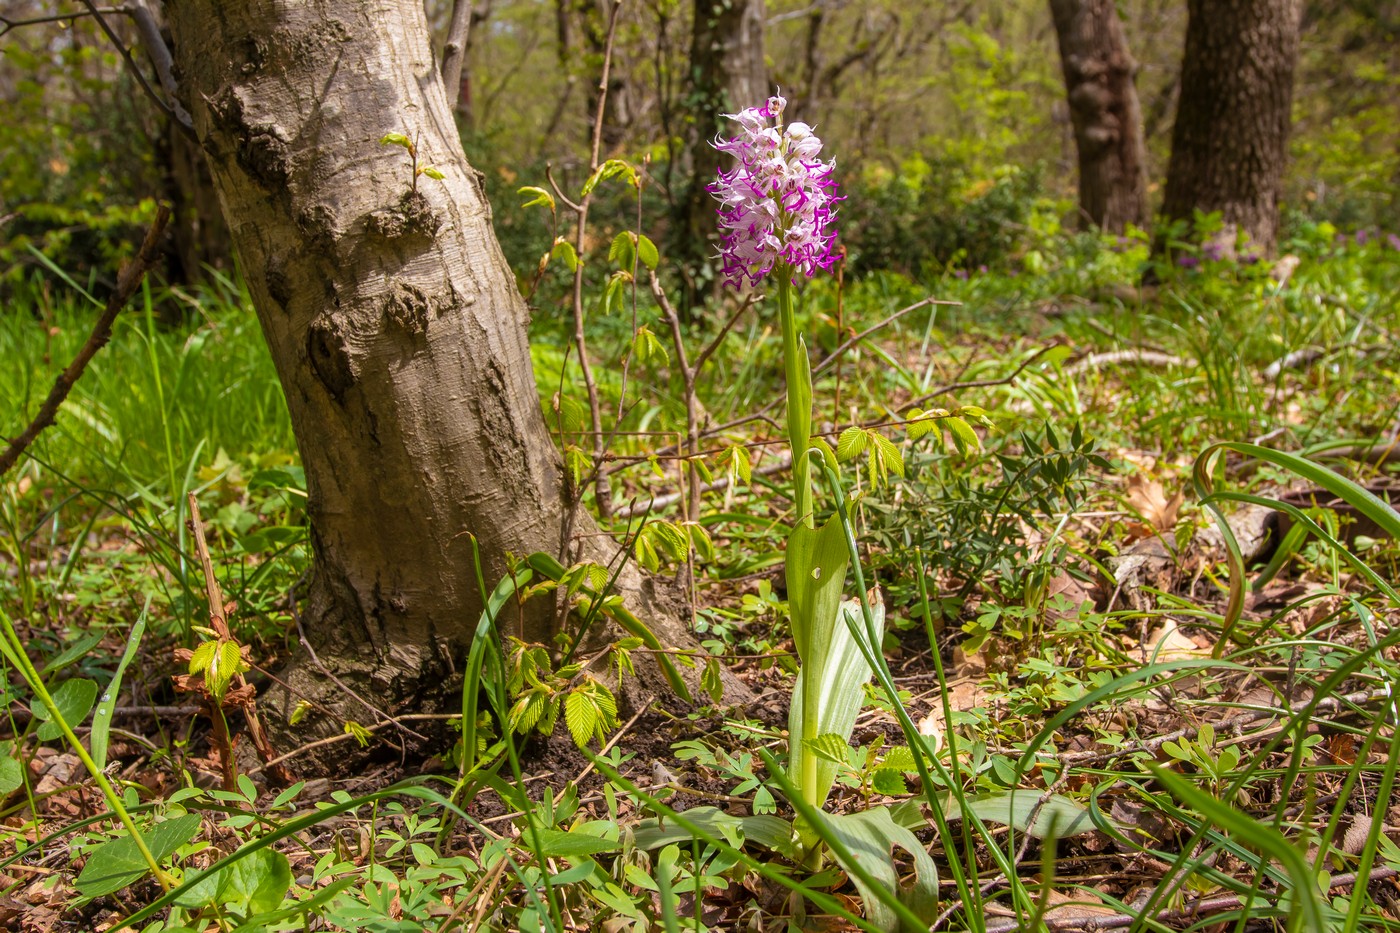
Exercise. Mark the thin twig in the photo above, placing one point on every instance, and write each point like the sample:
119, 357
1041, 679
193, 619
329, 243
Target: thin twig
127, 282
219, 623
982, 383
835, 355
6, 24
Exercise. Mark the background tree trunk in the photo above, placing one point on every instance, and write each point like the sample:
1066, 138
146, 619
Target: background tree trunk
1230, 141
728, 73
395, 324
1103, 106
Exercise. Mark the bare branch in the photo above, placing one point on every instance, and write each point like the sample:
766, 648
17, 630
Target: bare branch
454, 52
6, 24
173, 109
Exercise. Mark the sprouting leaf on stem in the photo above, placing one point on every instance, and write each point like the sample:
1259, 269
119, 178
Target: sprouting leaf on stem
361, 734
563, 249
398, 139
647, 253
964, 438
882, 456
647, 347
623, 250
734, 461
610, 169
432, 172
577, 464
540, 196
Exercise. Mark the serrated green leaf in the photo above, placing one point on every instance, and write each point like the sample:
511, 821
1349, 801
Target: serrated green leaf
964, 437
889, 782
647, 253
540, 196
851, 444
299, 712
73, 698
829, 747
735, 461
118, 862
564, 250
700, 538
609, 169
645, 552
899, 757
891, 460
647, 346
203, 654
623, 250
361, 734
581, 716
527, 711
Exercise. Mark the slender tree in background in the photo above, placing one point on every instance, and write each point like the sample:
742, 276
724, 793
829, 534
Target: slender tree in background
1103, 106
395, 324
1230, 140
727, 74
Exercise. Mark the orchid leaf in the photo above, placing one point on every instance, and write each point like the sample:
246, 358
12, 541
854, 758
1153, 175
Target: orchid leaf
871, 836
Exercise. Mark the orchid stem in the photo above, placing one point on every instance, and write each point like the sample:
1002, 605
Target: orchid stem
799, 397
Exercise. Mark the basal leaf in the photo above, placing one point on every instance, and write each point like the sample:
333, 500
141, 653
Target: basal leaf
871, 836
1058, 814
74, 698
829, 747
118, 862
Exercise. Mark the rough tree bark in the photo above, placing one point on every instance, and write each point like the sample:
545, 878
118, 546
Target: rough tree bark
727, 74
395, 324
1230, 140
1103, 106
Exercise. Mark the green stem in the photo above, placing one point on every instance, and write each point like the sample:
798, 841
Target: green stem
799, 397
114, 802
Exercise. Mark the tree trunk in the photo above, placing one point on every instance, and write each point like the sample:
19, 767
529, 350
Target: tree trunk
1230, 141
1103, 106
396, 328
728, 73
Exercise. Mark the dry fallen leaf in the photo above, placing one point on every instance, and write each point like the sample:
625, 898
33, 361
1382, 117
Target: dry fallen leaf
1150, 500
1170, 643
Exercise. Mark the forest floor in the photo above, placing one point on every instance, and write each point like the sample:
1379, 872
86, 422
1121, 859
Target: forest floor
1121, 729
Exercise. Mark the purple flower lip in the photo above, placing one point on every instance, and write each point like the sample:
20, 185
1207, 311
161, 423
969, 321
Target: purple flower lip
777, 204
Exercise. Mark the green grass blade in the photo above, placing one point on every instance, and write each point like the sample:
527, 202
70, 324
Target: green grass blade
1306, 915
102, 716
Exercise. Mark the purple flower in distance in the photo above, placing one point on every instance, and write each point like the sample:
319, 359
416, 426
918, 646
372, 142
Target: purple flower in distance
776, 204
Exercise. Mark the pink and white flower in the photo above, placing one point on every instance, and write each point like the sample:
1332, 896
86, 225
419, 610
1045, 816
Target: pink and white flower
777, 205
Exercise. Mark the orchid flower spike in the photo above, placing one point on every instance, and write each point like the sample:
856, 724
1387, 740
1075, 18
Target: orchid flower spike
776, 206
